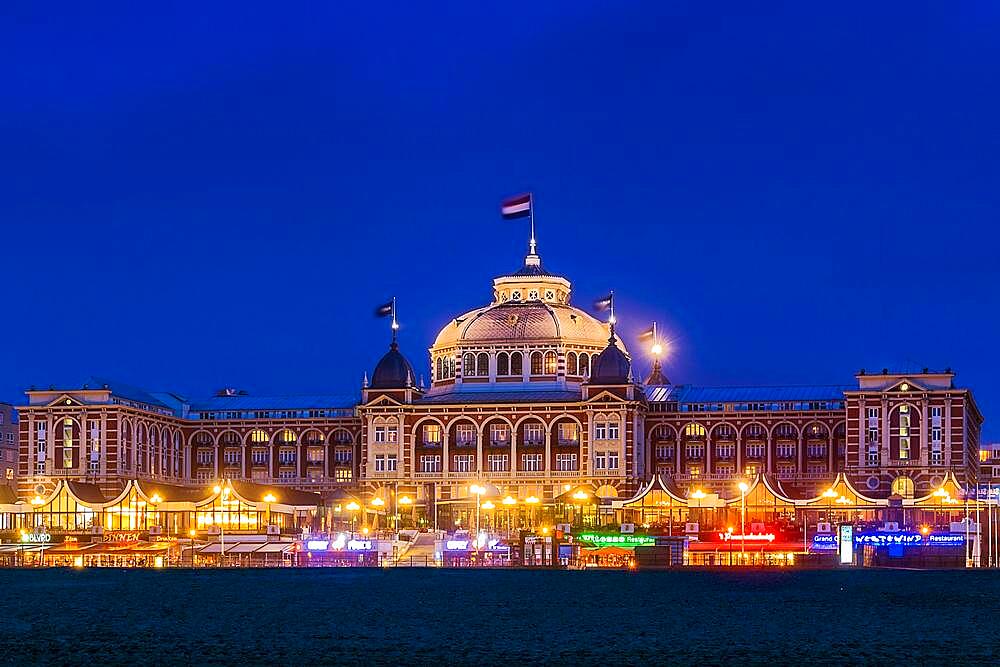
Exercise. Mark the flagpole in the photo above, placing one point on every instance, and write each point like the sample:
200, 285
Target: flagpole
394, 324
531, 215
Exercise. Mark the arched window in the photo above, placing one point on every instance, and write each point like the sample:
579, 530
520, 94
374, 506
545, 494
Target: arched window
551, 363
516, 363
483, 364
503, 364
440, 374
468, 364
451, 367
571, 363
536, 363
785, 431
755, 431
902, 486
584, 364
257, 436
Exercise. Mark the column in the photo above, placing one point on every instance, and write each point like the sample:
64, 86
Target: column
925, 444
883, 426
767, 456
862, 432
677, 452
946, 428
479, 431
708, 453
801, 454
548, 453
739, 453
445, 462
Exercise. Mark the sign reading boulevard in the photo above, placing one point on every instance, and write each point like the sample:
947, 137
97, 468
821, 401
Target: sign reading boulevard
615, 540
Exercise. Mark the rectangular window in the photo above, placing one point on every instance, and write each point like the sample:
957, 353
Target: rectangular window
785, 450
613, 430
664, 452
904, 424
380, 434
232, 456
430, 463
343, 475
391, 434
694, 451
872, 455
286, 474
390, 463
464, 462
499, 434
380, 463
725, 451
258, 456
565, 462
465, 435
286, 457
315, 455
432, 434
205, 457
612, 460
815, 468
497, 462
533, 434
816, 450
904, 448
936, 415
342, 456
601, 431
568, 434
600, 462
872, 435
936, 434
755, 451
531, 462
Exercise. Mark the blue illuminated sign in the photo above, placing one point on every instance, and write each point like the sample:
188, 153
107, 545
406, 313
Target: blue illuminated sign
828, 541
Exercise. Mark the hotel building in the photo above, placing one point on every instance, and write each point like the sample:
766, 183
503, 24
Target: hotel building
530, 397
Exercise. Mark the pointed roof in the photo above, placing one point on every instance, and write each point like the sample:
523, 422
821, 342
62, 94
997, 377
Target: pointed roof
656, 376
611, 366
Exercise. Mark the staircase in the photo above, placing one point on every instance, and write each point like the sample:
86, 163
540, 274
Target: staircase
420, 553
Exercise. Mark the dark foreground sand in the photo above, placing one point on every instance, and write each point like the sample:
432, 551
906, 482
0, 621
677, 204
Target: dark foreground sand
305, 617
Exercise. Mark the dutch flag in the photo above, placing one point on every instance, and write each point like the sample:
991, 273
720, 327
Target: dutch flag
516, 207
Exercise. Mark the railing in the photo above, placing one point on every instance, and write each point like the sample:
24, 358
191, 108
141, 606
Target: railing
607, 472
466, 444
384, 474
428, 474
533, 443
563, 442
529, 473
430, 445
499, 443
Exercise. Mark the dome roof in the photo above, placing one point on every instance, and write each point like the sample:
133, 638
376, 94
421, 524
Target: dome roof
523, 321
393, 371
611, 366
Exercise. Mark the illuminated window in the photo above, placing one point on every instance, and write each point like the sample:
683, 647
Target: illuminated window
565, 462
533, 434
531, 462
343, 475
465, 435
904, 448
515, 295
464, 462
551, 363
430, 463
67, 443
497, 462
432, 434
904, 408
258, 436
550, 295
568, 433
533, 295
694, 430
902, 486
499, 434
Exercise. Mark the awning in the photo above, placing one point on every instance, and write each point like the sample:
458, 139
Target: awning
244, 548
67, 549
274, 548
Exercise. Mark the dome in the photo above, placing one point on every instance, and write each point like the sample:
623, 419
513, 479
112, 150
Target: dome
521, 322
393, 371
611, 366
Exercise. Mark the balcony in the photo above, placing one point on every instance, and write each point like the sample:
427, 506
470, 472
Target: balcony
529, 473
466, 443
500, 443
384, 474
724, 453
568, 442
428, 474
431, 444
608, 472
532, 443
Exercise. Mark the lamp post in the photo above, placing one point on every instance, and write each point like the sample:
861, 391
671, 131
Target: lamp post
191, 534
579, 498
223, 494
940, 494
531, 501
479, 491
508, 502
378, 504
488, 505
268, 499
406, 501
744, 487
154, 500
353, 508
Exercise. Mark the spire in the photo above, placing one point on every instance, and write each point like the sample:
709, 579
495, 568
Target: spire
364, 381
656, 377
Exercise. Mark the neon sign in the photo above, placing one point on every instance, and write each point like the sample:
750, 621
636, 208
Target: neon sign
359, 545
827, 542
36, 538
317, 545
624, 541
752, 537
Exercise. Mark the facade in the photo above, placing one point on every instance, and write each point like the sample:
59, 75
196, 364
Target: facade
8, 446
530, 399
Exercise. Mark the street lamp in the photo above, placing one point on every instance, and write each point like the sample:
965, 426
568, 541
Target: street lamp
579, 498
941, 494
191, 534
353, 508
223, 493
488, 505
406, 501
268, 499
744, 487
531, 501
378, 504
479, 491
509, 502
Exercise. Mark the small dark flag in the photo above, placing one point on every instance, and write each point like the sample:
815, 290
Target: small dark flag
516, 207
385, 310
648, 333
604, 304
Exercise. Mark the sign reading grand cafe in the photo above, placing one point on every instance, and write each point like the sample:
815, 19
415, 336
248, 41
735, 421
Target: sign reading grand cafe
531, 400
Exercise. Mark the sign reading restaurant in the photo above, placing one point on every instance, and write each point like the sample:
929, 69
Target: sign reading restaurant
614, 540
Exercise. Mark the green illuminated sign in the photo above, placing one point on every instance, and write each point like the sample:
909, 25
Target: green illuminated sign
626, 541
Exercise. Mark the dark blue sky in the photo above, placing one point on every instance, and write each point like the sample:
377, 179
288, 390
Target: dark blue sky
219, 195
